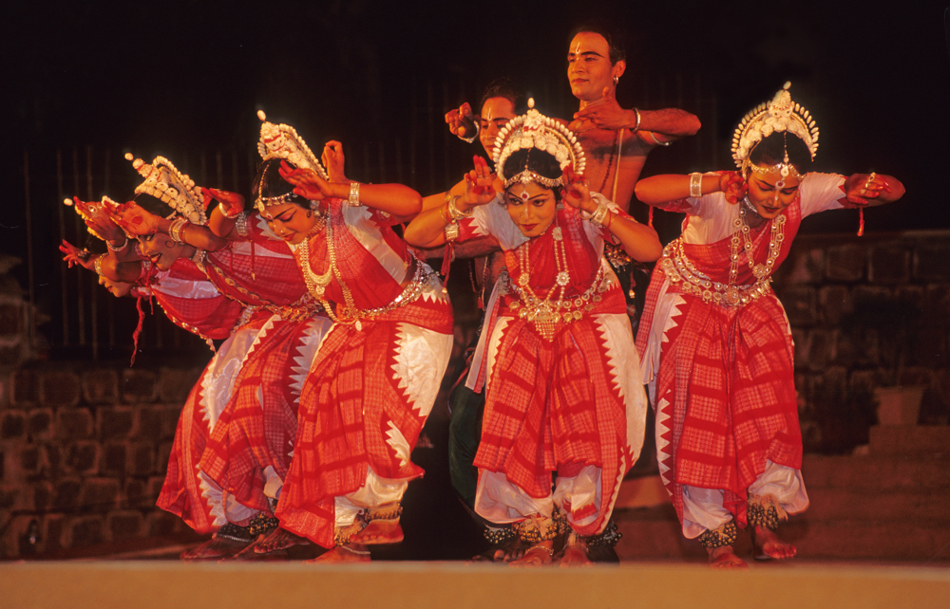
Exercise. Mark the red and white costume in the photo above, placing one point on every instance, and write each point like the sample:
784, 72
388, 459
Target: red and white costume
721, 376
568, 401
234, 439
375, 378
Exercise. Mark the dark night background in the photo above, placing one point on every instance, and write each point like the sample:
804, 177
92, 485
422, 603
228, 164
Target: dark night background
171, 77
186, 78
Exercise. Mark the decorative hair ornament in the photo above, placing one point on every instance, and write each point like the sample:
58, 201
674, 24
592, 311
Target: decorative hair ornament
534, 130
282, 142
779, 115
174, 188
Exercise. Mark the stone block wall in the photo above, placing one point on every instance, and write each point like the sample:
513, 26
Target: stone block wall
83, 453
866, 312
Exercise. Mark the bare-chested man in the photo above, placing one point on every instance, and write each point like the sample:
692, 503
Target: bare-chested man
595, 63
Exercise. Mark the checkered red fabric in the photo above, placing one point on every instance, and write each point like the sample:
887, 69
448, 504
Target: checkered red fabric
208, 317
552, 406
368, 280
259, 424
725, 389
181, 494
349, 404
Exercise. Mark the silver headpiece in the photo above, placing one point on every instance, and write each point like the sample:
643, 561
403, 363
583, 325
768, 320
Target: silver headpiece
282, 142
534, 130
174, 188
779, 115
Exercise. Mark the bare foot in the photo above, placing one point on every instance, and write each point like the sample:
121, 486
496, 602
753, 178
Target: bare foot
724, 557
379, 532
214, 549
250, 553
351, 552
279, 539
767, 545
506, 552
537, 555
575, 553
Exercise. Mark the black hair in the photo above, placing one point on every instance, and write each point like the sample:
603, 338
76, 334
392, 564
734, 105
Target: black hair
153, 205
269, 183
771, 151
540, 162
613, 36
505, 88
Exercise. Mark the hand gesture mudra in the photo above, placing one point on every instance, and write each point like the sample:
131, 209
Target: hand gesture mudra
333, 159
861, 188
461, 121
479, 184
134, 220
733, 186
306, 182
576, 191
231, 202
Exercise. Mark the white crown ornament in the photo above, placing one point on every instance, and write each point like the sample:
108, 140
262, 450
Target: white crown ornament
780, 114
174, 188
282, 142
534, 130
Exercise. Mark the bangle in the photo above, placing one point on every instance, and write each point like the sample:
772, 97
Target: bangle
610, 220
469, 140
231, 216
658, 142
599, 215
695, 185
636, 126
442, 211
174, 231
454, 211
240, 225
354, 198
116, 248
97, 265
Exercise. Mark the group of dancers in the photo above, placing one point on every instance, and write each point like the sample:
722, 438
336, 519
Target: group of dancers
336, 333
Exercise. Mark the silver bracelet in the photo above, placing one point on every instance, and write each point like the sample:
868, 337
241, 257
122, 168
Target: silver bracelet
117, 248
354, 198
97, 265
695, 185
240, 225
469, 140
600, 214
454, 212
174, 231
636, 127
658, 142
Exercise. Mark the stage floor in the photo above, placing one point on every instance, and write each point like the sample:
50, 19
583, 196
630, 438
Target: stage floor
436, 585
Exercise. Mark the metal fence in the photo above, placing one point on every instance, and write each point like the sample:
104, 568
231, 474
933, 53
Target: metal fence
76, 318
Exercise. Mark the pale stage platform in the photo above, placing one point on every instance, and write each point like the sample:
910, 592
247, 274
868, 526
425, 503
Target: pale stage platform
144, 584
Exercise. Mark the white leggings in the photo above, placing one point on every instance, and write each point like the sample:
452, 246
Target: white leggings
703, 507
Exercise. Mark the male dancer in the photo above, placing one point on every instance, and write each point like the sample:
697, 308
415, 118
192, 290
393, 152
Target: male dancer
616, 141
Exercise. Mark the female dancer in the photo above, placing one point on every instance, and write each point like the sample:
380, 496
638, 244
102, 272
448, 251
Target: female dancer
235, 437
715, 342
380, 366
557, 354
